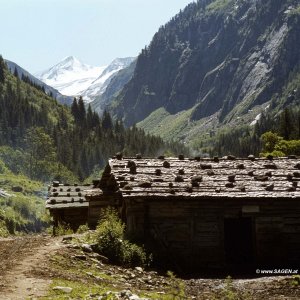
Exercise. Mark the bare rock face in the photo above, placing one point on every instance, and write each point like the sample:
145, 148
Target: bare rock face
64, 289
222, 59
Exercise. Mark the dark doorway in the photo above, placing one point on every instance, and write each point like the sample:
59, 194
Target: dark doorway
238, 241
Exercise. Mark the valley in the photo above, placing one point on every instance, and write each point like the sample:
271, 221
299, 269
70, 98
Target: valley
207, 113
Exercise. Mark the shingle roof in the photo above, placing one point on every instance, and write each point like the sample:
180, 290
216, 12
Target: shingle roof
67, 196
224, 177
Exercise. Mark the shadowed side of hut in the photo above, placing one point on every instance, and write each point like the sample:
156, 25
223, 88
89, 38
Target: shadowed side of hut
213, 213
105, 193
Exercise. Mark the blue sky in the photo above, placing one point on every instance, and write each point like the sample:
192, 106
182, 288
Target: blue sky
37, 34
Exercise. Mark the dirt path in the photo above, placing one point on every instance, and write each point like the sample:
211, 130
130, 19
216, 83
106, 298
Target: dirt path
19, 257
27, 265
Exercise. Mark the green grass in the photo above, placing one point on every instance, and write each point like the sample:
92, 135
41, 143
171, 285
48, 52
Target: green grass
169, 127
80, 289
82, 281
179, 127
295, 11
218, 5
10, 180
24, 210
79, 269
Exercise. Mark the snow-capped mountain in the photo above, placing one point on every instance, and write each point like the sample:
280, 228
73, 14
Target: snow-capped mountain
74, 78
70, 76
100, 84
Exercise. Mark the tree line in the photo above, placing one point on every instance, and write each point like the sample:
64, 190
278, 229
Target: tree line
45, 140
245, 140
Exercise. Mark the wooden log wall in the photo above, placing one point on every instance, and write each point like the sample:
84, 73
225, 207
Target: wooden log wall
99, 200
74, 217
192, 232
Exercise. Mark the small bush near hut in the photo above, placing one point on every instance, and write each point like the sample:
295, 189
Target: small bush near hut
3, 229
62, 229
110, 238
83, 228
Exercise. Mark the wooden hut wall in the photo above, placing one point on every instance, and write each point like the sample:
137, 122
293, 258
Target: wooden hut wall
188, 232
278, 233
74, 217
192, 231
98, 203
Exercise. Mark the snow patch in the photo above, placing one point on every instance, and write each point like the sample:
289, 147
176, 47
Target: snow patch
258, 117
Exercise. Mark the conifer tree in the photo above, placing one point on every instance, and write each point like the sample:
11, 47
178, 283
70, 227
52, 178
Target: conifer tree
2, 68
81, 111
286, 125
16, 74
75, 110
90, 118
106, 120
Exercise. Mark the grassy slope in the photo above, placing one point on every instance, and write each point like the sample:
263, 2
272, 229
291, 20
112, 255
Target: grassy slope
179, 126
22, 211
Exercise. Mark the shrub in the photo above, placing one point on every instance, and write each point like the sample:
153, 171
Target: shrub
177, 287
82, 228
62, 229
132, 254
275, 145
3, 168
288, 147
274, 153
269, 141
110, 237
296, 280
3, 229
228, 292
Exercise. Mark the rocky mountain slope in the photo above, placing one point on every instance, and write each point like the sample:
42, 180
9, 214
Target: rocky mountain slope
100, 84
217, 62
113, 85
48, 89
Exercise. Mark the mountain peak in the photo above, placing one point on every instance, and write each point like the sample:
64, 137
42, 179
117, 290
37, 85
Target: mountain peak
70, 76
118, 64
70, 58
71, 62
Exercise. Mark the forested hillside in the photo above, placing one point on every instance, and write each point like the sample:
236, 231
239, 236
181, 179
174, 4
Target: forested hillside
26, 76
45, 140
246, 140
